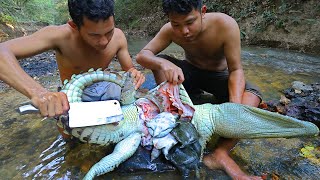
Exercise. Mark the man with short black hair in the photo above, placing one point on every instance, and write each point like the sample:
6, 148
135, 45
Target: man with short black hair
211, 42
89, 40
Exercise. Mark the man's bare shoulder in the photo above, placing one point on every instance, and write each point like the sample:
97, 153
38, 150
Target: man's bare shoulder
61, 32
166, 32
166, 29
119, 38
49, 37
222, 21
118, 33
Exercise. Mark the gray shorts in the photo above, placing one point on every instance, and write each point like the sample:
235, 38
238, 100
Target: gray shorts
212, 82
100, 91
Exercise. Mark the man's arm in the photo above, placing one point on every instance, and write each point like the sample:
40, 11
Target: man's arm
126, 61
50, 104
148, 59
232, 50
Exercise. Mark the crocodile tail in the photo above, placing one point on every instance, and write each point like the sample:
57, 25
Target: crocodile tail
122, 151
75, 86
184, 96
127, 91
240, 121
203, 122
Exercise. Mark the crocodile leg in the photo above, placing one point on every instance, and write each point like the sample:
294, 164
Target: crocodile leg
240, 121
122, 151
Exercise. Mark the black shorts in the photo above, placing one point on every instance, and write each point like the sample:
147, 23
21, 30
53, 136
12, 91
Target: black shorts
212, 82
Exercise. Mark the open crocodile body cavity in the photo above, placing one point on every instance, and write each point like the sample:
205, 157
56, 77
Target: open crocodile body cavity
227, 120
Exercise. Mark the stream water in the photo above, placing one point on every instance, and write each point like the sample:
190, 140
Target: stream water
33, 149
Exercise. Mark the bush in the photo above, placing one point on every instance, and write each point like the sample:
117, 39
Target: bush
33, 11
129, 13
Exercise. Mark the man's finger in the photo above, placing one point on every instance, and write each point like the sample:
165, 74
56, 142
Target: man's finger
51, 106
133, 72
137, 77
169, 78
180, 78
65, 102
58, 107
137, 83
174, 78
43, 109
140, 82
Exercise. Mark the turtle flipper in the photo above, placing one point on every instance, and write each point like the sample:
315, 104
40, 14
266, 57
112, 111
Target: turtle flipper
122, 151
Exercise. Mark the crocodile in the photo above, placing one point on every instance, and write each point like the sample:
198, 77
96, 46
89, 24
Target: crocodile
229, 120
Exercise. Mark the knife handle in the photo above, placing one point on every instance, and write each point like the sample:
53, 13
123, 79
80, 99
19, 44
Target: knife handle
27, 109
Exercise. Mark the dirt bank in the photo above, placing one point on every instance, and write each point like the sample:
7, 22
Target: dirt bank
283, 25
271, 23
10, 31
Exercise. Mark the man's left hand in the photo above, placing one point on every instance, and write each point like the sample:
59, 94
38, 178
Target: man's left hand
138, 77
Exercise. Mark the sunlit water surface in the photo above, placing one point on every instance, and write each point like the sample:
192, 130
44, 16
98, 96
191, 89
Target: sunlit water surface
33, 149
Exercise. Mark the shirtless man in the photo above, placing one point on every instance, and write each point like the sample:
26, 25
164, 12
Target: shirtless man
211, 42
89, 40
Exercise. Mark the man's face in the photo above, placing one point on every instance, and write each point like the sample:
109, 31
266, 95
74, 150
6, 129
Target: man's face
186, 26
97, 34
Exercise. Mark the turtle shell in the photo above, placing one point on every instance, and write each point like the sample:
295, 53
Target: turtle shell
185, 159
185, 133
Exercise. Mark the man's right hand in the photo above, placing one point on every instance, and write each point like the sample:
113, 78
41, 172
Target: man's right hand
51, 104
172, 72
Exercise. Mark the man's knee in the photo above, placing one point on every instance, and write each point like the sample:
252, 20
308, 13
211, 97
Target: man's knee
252, 95
251, 99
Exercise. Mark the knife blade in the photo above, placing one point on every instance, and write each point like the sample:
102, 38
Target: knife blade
82, 114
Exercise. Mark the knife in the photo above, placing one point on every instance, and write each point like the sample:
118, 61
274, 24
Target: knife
82, 114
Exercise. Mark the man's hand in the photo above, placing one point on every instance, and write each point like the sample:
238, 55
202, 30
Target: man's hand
138, 77
51, 104
172, 72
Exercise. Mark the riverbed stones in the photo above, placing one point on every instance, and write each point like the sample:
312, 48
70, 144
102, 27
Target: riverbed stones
301, 101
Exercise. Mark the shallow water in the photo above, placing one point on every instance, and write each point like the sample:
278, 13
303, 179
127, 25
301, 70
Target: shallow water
271, 70
33, 149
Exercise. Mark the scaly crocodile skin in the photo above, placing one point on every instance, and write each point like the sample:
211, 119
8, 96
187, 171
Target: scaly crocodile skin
122, 151
227, 120
232, 120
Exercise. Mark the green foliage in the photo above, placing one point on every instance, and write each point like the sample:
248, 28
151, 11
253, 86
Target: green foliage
40, 11
215, 6
129, 13
139, 14
8, 9
279, 13
7, 19
243, 34
26, 11
280, 24
61, 14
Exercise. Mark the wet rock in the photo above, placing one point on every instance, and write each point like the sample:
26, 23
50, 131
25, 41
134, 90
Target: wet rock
301, 101
284, 100
39, 65
300, 86
7, 123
